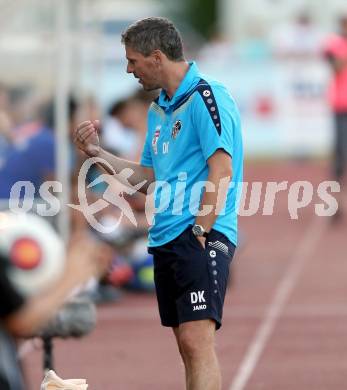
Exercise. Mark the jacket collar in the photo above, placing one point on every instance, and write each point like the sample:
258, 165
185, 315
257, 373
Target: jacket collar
189, 81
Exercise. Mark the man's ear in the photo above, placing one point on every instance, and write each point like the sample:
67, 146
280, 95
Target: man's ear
158, 57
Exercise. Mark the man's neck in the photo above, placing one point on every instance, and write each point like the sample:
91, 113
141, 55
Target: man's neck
173, 76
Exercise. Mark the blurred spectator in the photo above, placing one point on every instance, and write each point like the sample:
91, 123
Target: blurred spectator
125, 128
24, 112
129, 135
115, 137
335, 51
21, 316
33, 159
123, 133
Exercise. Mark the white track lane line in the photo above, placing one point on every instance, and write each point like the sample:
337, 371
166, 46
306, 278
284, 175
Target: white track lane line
285, 287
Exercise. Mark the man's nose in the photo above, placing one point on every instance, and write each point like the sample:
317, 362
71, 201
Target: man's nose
129, 69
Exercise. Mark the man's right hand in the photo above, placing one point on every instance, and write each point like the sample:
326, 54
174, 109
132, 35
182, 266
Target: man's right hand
86, 138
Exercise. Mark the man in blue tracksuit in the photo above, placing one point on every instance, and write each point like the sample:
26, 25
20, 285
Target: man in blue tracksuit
194, 160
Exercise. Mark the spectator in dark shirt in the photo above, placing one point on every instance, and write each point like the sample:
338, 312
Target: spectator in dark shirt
33, 159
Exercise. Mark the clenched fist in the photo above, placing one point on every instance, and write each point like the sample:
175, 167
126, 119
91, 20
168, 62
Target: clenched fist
86, 138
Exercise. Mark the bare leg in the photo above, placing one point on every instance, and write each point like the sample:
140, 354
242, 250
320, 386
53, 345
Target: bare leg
176, 333
196, 340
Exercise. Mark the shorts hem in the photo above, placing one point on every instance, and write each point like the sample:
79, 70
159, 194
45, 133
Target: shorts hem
169, 325
216, 319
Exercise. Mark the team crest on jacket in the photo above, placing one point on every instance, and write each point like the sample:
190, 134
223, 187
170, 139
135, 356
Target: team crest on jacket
155, 140
176, 128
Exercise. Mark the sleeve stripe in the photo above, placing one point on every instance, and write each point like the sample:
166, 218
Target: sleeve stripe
208, 98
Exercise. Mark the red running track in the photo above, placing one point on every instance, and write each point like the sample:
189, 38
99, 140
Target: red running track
285, 322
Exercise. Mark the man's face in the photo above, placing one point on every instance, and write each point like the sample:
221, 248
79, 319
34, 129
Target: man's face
146, 69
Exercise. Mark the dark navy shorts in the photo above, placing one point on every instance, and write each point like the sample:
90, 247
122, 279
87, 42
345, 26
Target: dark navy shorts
191, 281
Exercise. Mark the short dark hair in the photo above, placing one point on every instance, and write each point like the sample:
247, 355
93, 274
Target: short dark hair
117, 107
154, 33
